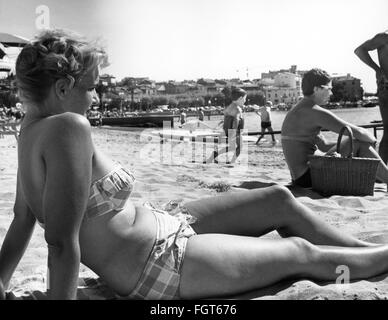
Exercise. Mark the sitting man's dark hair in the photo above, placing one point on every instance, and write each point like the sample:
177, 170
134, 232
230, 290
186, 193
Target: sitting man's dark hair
237, 93
314, 78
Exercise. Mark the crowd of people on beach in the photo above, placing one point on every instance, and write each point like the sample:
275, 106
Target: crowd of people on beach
11, 113
213, 246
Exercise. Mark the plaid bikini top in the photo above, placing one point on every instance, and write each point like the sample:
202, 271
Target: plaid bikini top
110, 192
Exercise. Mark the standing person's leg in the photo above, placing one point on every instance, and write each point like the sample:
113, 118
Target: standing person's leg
218, 152
272, 134
235, 145
261, 135
383, 105
238, 144
216, 264
259, 211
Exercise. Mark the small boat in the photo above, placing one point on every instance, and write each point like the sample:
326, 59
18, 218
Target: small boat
139, 121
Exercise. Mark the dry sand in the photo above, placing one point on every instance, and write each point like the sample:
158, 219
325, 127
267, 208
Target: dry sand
175, 178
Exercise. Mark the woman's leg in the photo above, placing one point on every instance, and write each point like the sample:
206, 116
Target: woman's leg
259, 211
216, 265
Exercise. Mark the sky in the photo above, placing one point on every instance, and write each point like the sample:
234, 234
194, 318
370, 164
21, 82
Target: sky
217, 39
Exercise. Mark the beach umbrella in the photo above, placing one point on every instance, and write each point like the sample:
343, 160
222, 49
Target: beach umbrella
10, 40
5, 66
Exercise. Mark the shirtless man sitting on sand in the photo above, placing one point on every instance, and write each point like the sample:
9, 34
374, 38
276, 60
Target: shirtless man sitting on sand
380, 43
302, 126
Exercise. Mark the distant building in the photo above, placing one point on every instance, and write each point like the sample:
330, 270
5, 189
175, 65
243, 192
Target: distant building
173, 87
147, 87
107, 80
278, 95
210, 85
287, 79
347, 88
160, 88
282, 86
251, 87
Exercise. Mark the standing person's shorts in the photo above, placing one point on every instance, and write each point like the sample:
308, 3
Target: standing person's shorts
382, 86
382, 93
266, 124
160, 279
303, 181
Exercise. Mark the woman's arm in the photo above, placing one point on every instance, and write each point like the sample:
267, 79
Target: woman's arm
328, 120
17, 237
68, 158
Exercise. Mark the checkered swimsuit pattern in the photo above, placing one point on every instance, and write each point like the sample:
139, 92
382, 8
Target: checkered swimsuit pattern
161, 276
109, 193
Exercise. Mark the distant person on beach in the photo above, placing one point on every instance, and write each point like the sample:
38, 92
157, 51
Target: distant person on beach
233, 124
211, 248
266, 122
380, 43
201, 114
183, 117
301, 130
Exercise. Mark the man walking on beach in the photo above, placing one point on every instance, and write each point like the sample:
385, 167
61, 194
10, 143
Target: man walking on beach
380, 43
266, 124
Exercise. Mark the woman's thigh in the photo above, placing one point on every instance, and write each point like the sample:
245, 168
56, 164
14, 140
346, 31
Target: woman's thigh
216, 265
250, 213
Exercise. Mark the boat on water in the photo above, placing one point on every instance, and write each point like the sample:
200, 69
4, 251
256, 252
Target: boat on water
369, 105
137, 121
196, 131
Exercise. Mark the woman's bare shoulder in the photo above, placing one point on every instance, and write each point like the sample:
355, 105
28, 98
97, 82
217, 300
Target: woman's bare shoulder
67, 121
66, 126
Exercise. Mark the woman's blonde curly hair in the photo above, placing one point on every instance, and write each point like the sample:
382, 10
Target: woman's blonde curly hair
52, 55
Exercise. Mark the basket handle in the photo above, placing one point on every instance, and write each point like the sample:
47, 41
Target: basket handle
350, 155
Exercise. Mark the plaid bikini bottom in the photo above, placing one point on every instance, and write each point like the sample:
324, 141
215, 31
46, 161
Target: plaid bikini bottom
161, 275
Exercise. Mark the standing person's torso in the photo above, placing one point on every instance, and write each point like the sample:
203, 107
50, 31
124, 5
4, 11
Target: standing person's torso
233, 118
266, 114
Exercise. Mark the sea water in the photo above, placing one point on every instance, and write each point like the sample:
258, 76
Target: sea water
357, 116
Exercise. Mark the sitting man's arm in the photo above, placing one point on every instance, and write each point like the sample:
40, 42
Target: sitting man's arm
328, 120
323, 144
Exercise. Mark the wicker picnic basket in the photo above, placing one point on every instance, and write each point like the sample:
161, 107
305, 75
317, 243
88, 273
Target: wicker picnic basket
343, 175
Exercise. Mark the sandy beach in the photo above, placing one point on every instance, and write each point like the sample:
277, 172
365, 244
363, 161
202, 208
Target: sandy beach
173, 179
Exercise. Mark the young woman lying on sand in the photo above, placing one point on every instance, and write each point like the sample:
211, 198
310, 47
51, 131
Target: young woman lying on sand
302, 126
82, 201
